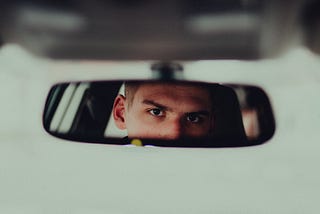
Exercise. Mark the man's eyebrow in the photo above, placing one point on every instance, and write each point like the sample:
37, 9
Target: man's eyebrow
158, 105
166, 108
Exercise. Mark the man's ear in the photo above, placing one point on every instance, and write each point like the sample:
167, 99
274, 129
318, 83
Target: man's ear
119, 111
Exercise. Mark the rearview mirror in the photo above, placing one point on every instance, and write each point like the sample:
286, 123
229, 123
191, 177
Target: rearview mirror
158, 113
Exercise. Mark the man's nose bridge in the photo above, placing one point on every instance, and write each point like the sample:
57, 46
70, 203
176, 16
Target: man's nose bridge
177, 127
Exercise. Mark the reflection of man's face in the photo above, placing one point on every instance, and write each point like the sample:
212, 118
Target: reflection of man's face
166, 111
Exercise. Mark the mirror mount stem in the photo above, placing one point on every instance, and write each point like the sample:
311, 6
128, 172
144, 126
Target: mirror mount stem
167, 71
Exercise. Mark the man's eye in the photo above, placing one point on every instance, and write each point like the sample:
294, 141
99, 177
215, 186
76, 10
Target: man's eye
156, 112
193, 118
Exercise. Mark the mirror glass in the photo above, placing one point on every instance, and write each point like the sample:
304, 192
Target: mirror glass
158, 113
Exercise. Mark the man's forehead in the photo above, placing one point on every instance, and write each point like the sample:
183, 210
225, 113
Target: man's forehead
173, 88
173, 95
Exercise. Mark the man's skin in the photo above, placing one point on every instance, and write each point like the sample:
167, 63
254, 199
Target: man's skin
165, 111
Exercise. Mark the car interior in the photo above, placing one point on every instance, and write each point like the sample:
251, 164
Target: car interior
64, 66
